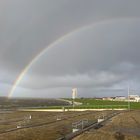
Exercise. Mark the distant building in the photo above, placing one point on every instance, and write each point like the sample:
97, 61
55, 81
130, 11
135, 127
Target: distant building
120, 98
108, 98
134, 98
131, 98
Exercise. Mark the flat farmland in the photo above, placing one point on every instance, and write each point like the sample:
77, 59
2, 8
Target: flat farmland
42, 125
125, 126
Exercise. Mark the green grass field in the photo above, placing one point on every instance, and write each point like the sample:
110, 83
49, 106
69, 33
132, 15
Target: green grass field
93, 103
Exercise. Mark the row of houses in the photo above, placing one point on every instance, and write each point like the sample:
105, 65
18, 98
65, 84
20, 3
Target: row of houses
131, 98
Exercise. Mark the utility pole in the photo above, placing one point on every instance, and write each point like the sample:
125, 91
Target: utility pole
128, 98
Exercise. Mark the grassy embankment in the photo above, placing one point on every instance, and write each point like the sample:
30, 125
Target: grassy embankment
90, 103
93, 103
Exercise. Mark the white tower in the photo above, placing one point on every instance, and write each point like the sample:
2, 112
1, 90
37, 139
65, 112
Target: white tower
74, 93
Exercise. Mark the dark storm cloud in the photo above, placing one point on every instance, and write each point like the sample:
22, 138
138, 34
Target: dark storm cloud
101, 55
98, 56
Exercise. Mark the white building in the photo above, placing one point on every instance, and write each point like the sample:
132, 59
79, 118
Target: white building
134, 98
120, 98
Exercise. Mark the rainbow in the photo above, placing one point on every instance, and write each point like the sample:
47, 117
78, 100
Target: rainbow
59, 40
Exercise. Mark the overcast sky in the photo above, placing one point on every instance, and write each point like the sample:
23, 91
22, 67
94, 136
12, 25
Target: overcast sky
93, 45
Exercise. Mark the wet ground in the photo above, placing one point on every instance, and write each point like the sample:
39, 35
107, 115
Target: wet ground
125, 126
